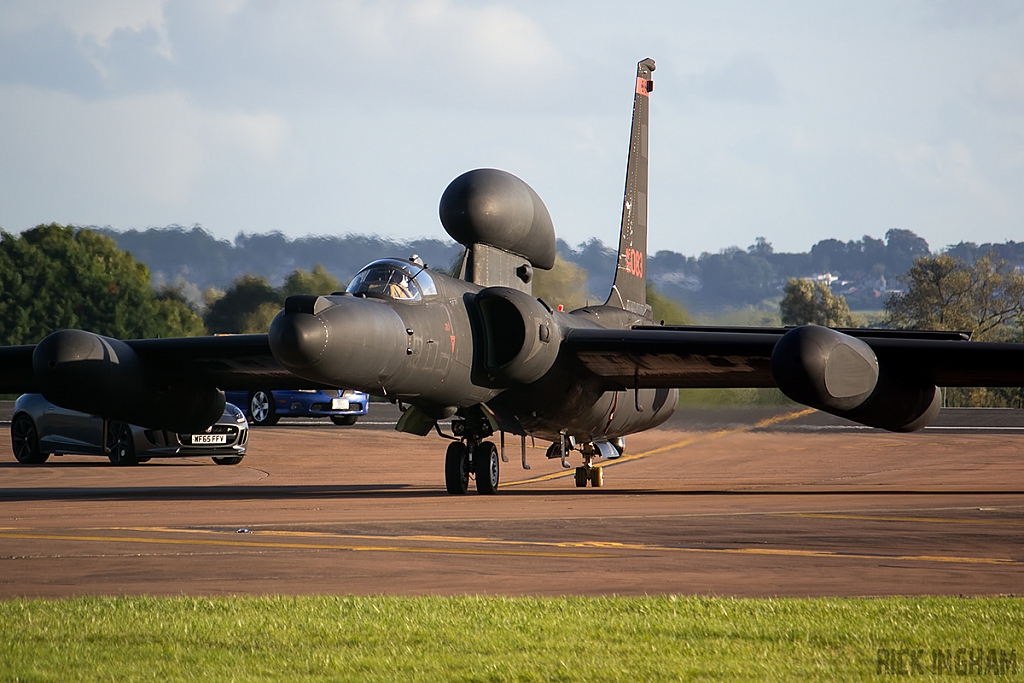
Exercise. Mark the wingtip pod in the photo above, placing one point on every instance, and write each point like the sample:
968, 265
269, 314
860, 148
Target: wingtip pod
629, 290
93, 374
839, 374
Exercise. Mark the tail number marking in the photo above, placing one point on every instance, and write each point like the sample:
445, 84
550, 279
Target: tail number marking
634, 262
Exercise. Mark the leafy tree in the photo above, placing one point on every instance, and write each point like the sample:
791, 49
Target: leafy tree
902, 248
55, 277
736, 276
665, 309
319, 281
232, 313
564, 284
805, 302
985, 298
249, 305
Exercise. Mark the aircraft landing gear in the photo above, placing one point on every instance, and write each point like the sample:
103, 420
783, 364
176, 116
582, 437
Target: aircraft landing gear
486, 465
589, 473
472, 454
456, 468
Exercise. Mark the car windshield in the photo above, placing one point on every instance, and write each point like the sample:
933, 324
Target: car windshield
393, 279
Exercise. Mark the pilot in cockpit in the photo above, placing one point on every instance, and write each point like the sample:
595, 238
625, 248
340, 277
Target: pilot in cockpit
387, 279
398, 286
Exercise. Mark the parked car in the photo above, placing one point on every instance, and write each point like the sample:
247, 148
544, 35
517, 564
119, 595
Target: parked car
266, 407
39, 429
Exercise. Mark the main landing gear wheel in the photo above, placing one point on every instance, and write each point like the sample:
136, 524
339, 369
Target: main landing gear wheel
121, 444
456, 468
344, 420
486, 464
594, 475
261, 409
25, 441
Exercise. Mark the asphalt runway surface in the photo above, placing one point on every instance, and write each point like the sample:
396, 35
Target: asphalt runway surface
745, 502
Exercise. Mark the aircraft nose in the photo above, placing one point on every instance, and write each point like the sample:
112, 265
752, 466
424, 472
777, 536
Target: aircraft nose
298, 337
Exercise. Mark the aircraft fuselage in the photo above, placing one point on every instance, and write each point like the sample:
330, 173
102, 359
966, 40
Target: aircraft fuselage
431, 352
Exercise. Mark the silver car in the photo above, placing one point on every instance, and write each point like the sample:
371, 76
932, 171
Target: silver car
39, 428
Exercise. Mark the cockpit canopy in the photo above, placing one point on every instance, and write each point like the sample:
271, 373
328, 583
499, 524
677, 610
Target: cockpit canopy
393, 279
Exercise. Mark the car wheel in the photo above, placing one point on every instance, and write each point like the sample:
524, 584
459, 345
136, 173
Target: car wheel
229, 460
261, 409
121, 444
25, 441
344, 420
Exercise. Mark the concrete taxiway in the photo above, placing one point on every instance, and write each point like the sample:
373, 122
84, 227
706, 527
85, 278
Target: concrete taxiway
752, 502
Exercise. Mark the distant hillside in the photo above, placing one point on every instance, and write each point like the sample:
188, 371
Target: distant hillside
200, 258
863, 271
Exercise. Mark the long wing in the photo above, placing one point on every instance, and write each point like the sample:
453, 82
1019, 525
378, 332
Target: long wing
707, 357
242, 362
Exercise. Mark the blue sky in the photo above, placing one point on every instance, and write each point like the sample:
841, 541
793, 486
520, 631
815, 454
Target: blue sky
797, 121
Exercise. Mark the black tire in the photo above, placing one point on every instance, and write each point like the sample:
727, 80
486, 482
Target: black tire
487, 465
25, 441
581, 477
597, 477
121, 445
344, 420
261, 409
229, 460
456, 468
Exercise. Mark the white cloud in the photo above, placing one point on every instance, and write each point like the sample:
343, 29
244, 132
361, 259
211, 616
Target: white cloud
493, 39
94, 20
92, 156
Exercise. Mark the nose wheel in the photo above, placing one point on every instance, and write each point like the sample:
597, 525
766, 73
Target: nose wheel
589, 473
593, 475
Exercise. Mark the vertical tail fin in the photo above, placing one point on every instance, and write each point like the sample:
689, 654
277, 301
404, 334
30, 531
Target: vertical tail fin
629, 291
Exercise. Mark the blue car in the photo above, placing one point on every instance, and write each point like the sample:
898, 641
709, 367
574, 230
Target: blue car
266, 407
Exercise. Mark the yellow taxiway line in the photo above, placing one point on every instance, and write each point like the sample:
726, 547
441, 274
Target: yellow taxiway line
546, 549
916, 520
294, 546
670, 447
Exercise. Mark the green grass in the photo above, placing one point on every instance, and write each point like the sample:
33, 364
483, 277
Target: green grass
720, 398
487, 639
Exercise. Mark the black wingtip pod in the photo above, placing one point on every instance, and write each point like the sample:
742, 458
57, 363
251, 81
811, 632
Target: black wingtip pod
493, 207
93, 374
840, 374
820, 367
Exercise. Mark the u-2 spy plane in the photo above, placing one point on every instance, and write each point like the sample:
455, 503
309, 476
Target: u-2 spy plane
481, 349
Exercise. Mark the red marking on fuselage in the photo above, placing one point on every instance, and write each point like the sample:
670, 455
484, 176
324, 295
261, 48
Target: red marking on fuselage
453, 340
641, 87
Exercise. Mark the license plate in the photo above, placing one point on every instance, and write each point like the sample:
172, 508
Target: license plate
339, 404
208, 438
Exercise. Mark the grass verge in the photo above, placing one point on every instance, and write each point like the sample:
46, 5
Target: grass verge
497, 639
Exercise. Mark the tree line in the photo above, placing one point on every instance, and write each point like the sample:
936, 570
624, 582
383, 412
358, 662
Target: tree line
983, 297
55, 277
867, 268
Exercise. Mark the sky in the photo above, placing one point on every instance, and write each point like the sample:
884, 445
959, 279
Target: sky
796, 121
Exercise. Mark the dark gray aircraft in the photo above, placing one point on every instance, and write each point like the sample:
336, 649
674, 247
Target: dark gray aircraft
481, 349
